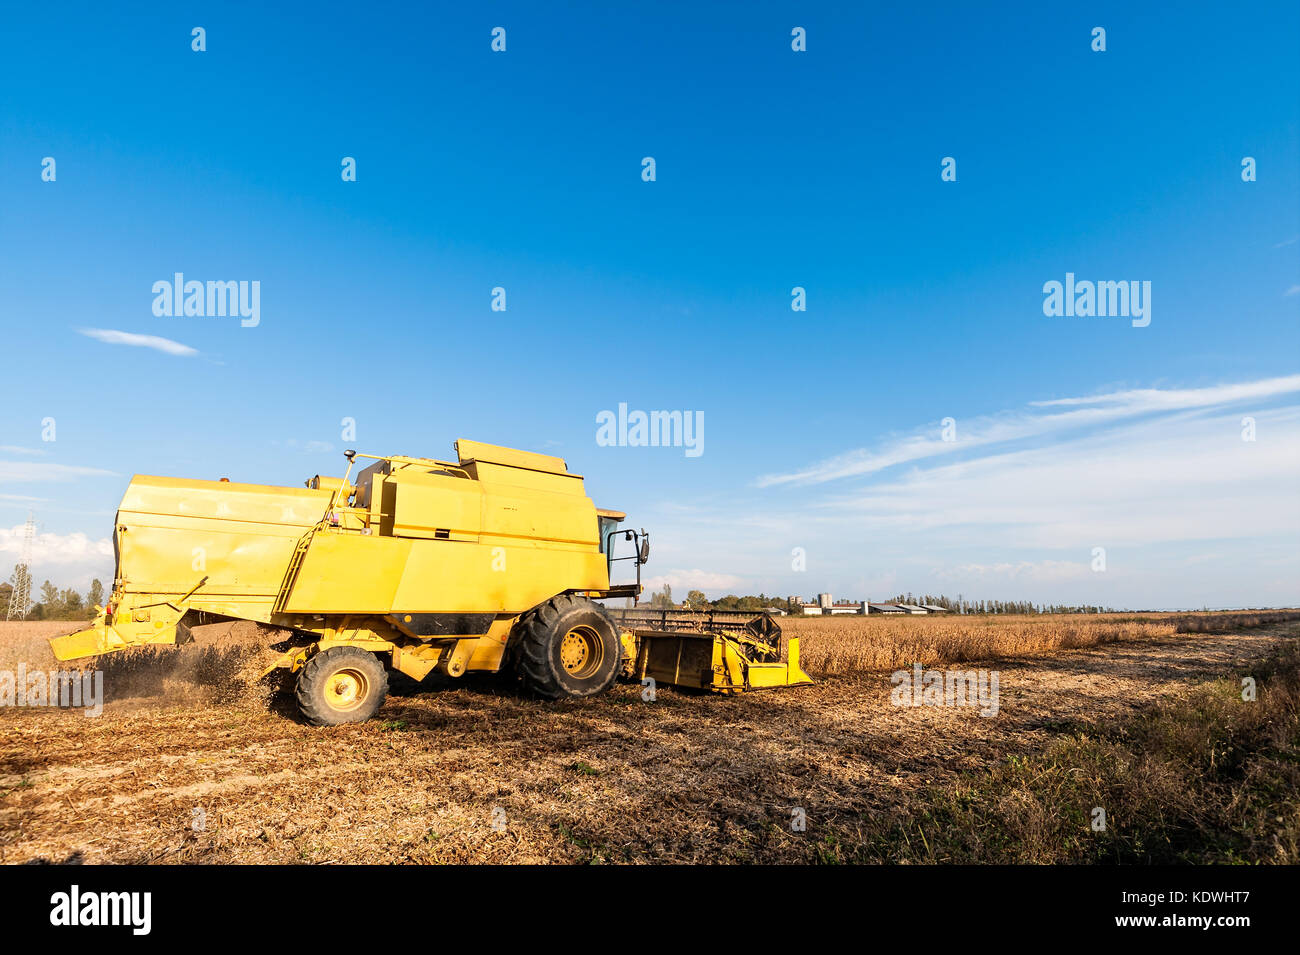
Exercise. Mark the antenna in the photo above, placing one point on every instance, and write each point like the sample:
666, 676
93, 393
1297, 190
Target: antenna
22, 592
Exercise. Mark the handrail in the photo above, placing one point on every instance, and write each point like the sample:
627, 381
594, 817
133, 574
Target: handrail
628, 534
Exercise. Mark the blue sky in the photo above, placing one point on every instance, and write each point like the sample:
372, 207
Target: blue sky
774, 169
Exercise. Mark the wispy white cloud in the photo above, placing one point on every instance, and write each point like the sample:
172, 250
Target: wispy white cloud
1050, 571
1144, 400
62, 549
67, 560
310, 447
985, 430
1185, 477
1293, 290
15, 449
1192, 504
112, 336
30, 472
684, 580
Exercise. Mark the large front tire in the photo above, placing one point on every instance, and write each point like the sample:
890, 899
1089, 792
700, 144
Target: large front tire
341, 685
567, 647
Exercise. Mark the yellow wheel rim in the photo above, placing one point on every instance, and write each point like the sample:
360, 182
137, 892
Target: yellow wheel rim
346, 689
581, 652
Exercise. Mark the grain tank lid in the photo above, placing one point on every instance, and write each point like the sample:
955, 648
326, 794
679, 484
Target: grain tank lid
471, 451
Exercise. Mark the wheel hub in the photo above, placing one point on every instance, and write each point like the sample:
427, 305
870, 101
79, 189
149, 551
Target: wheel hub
346, 689
581, 651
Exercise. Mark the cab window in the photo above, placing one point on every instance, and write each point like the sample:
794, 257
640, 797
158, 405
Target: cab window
606, 526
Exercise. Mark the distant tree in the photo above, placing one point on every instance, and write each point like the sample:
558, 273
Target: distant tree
57, 605
695, 600
663, 600
50, 600
96, 598
781, 603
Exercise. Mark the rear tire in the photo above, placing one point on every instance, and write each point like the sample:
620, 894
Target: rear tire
341, 685
567, 647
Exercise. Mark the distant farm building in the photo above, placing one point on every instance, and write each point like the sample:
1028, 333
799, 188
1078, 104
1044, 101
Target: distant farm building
825, 606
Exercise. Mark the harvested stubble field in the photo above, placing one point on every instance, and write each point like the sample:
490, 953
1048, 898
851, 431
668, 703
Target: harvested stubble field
847, 644
1141, 714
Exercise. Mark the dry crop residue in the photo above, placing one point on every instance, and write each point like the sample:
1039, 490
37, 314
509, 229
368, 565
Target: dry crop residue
476, 773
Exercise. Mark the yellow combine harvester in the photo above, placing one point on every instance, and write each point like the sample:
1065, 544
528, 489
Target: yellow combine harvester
490, 563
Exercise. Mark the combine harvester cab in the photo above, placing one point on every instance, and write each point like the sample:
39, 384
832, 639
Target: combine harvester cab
492, 562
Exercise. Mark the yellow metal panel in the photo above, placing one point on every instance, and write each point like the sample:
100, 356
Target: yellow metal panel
130, 627
223, 500
354, 573
238, 561
171, 532
516, 512
489, 649
483, 577
478, 451
500, 474
83, 643
424, 503
766, 675
351, 573
416, 662
728, 664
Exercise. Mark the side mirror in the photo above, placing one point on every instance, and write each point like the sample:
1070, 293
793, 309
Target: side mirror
645, 549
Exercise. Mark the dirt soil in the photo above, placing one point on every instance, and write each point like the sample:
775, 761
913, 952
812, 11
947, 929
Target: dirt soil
476, 773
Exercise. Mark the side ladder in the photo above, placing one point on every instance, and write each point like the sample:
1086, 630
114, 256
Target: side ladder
295, 565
